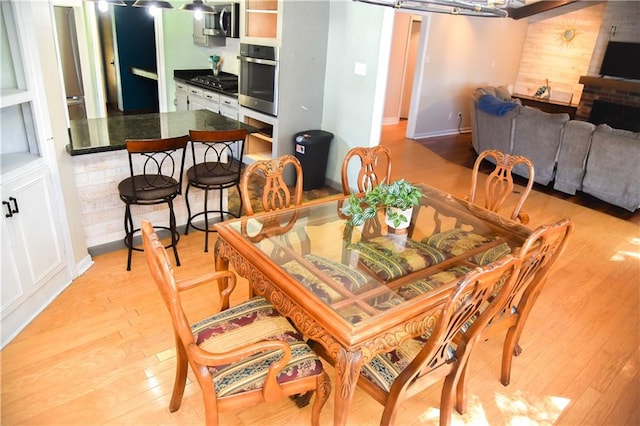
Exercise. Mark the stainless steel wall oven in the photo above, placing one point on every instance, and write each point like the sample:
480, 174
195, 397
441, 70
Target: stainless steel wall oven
258, 78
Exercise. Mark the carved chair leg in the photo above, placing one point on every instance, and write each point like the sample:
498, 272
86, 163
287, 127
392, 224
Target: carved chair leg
181, 376
461, 391
323, 390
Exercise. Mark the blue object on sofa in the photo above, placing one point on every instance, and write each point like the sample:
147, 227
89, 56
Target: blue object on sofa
494, 105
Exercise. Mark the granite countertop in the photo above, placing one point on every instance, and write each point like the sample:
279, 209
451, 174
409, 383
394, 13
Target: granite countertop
109, 134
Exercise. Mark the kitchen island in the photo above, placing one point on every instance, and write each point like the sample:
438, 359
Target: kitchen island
93, 135
100, 162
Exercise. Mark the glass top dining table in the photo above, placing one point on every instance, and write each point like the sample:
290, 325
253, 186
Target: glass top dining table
361, 290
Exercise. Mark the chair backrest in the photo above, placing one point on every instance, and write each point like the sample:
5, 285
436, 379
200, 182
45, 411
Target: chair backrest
472, 298
538, 255
156, 165
221, 152
499, 184
276, 194
375, 168
162, 273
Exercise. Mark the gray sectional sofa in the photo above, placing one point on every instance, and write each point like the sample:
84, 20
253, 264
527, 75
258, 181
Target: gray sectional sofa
574, 155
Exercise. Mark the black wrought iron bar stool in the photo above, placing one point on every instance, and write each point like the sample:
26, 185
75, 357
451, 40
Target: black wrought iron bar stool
217, 158
156, 168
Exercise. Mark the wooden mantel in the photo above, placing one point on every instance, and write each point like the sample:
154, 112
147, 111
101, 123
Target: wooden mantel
610, 83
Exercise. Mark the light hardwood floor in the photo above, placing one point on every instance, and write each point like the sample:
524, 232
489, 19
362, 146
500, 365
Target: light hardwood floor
102, 352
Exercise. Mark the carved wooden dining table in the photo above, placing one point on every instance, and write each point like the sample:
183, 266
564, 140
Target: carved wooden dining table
359, 291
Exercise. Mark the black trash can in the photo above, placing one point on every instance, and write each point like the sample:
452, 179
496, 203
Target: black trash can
312, 150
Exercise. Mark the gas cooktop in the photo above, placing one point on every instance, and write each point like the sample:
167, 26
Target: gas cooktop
222, 82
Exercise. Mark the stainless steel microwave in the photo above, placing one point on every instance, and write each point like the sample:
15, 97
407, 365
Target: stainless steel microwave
225, 22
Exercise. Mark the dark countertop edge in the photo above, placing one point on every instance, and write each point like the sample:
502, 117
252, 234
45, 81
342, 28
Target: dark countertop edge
93, 150
121, 146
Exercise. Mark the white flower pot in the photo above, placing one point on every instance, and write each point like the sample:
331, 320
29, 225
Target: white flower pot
404, 224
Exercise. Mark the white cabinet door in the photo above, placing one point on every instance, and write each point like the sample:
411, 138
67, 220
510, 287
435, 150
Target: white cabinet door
196, 98
229, 107
32, 245
12, 285
182, 97
212, 101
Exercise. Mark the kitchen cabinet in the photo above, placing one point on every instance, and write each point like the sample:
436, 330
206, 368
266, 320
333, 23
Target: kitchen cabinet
299, 29
182, 97
260, 20
32, 244
259, 146
229, 107
196, 98
211, 101
36, 245
190, 97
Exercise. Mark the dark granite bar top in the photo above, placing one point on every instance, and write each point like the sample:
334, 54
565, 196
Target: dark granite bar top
109, 134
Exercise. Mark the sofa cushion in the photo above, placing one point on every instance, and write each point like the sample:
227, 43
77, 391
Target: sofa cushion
537, 136
503, 93
612, 173
572, 158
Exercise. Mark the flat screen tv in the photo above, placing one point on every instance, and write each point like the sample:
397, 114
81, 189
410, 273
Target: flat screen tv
621, 60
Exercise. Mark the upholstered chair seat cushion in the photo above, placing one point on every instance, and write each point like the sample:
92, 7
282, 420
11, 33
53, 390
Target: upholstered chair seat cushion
458, 241
384, 368
351, 279
391, 256
418, 287
250, 322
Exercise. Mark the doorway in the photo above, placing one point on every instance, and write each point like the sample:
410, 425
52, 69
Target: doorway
402, 65
68, 49
128, 45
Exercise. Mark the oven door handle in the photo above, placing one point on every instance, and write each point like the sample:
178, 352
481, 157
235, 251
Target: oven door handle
258, 61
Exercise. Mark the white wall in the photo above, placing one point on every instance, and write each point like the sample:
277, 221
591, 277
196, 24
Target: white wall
56, 107
459, 54
353, 104
181, 53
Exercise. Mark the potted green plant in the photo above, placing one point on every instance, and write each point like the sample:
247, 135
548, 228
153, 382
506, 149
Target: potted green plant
398, 198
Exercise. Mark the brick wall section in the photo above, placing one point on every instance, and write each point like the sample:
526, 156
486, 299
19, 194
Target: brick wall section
608, 90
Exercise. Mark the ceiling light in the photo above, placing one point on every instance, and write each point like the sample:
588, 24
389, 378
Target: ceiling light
153, 4
488, 8
197, 6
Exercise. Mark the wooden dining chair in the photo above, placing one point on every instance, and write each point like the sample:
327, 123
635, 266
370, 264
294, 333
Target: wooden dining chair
392, 377
275, 194
155, 177
538, 254
264, 180
499, 185
375, 167
217, 166
240, 355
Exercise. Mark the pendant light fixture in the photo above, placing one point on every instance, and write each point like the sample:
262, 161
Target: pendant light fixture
153, 3
197, 6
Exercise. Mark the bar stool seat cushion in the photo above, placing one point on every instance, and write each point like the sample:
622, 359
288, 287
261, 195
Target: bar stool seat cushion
148, 188
211, 173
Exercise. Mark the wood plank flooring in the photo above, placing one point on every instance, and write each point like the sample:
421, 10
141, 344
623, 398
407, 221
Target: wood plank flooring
102, 352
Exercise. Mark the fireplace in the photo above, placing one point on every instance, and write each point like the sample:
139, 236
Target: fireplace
615, 115
616, 102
